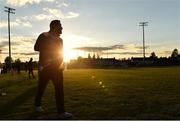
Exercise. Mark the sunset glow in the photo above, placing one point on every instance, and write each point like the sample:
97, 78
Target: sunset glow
69, 54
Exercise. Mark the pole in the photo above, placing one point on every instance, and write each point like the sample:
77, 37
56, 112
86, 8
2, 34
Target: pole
143, 44
9, 10
9, 38
107, 52
143, 24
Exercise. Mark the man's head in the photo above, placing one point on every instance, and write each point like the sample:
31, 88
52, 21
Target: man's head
55, 26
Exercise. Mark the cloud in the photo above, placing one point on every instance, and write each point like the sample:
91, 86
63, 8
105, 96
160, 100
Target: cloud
140, 47
65, 4
4, 44
164, 53
21, 47
52, 13
33, 53
50, 0
99, 49
41, 17
3, 24
91, 49
57, 13
62, 4
47, 14
20, 3
18, 43
17, 22
127, 50
16, 53
167, 52
72, 15
22, 22
124, 53
118, 47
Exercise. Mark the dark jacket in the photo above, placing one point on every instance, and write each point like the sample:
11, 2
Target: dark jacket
51, 50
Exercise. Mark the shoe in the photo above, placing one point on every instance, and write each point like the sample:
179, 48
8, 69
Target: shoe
38, 109
65, 115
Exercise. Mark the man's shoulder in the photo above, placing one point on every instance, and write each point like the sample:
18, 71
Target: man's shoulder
45, 34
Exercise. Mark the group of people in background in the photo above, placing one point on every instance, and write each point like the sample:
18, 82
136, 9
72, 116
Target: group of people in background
28, 66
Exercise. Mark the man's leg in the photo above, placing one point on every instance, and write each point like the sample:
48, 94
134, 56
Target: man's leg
57, 79
29, 74
32, 73
42, 83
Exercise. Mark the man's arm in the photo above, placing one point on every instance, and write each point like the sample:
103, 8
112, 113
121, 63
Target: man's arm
38, 45
62, 66
61, 47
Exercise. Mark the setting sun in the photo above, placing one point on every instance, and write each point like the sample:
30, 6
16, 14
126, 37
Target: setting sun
69, 54
70, 42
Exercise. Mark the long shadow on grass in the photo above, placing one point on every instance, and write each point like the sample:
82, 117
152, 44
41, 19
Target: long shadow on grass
19, 100
10, 83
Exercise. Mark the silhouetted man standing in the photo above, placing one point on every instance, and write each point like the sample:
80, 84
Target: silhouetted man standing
30, 68
50, 46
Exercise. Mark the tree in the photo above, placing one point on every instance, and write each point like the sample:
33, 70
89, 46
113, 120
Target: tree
7, 62
153, 55
174, 53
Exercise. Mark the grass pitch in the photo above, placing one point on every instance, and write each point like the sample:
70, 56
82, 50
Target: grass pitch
131, 93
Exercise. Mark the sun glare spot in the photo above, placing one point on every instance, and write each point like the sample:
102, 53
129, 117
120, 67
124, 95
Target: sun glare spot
92, 77
69, 54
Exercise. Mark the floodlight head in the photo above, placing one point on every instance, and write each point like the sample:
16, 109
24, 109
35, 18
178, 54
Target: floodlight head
9, 8
143, 23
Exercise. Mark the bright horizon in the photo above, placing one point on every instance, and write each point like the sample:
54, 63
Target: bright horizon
91, 26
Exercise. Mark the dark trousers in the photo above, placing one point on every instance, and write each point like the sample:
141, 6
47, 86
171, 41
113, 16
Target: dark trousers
31, 73
56, 75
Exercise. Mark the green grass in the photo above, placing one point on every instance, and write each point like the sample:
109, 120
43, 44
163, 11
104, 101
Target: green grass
131, 93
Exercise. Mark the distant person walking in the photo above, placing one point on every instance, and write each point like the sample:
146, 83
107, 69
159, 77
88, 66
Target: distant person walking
50, 46
26, 66
30, 68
